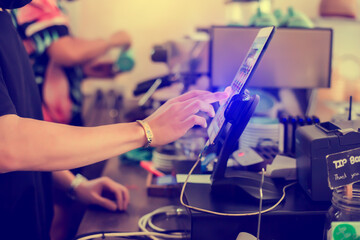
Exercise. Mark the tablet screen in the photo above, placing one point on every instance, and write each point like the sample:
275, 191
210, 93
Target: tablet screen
242, 76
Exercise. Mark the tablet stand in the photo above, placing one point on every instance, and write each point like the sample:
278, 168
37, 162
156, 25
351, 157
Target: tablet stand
238, 113
239, 183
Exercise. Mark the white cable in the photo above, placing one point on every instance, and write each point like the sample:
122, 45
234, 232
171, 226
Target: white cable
143, 222
221, 213
260, 204
125, 234
168, 211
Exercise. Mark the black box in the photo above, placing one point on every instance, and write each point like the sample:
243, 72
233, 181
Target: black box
313, 144
296, 218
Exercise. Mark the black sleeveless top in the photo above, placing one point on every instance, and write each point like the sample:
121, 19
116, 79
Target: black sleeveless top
25, 197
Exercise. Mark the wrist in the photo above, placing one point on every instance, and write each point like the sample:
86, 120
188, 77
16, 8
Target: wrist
74, 184
148, 132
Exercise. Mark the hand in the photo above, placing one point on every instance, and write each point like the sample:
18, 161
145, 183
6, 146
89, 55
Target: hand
228, 90
91, 192
173, 119
120, 39
99, 69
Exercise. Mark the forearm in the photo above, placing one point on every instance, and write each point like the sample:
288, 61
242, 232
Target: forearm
28, 144
69, 51
37, 145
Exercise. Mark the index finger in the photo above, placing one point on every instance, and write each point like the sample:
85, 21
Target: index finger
121, 194
190, 94
213, 97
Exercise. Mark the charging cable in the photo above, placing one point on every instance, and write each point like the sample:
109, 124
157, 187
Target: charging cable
146, 222
148, 228
226, 214
260, 204
104, 235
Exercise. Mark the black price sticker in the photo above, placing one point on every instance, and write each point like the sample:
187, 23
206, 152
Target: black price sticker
343, 168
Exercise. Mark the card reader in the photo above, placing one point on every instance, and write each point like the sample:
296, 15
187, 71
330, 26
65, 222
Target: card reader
313, 144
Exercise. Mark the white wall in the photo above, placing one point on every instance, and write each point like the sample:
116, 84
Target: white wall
153, 22
148, 22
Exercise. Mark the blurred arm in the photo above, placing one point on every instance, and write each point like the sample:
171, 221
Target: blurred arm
70, 51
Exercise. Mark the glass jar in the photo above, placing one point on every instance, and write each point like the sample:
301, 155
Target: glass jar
343, 217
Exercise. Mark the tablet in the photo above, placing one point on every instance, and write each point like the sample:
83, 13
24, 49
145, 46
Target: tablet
241, 78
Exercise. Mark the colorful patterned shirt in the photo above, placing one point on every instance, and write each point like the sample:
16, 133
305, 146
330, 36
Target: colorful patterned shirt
41, 23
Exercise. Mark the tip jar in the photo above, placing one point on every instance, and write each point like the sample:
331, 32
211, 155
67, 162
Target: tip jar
343, 217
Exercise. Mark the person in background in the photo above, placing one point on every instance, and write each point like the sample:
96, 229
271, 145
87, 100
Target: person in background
33, 151
60, 62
